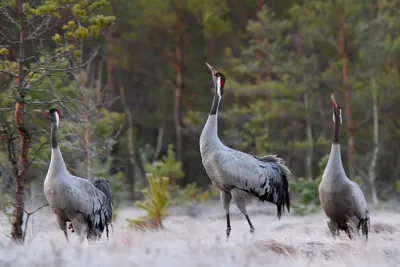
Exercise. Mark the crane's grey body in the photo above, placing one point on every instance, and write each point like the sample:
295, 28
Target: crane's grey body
241, 176
87, 204
342, 199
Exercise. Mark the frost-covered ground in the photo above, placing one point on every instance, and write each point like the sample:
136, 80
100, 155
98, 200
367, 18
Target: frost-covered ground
195, 236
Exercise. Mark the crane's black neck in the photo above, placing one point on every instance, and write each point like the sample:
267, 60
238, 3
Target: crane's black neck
53, 135
215, 104
336, 128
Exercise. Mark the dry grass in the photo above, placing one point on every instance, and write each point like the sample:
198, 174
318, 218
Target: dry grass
200, 241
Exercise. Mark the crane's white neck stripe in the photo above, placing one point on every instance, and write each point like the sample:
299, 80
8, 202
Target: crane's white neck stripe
219, 86
57, 122
340, 116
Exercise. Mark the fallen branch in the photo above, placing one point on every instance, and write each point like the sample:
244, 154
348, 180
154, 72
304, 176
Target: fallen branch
28, 214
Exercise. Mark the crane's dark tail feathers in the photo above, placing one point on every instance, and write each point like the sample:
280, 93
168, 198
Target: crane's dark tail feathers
280, 193
365, 226
105, 214
104, 186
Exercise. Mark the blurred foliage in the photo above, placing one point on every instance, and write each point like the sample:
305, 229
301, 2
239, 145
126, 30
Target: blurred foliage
156, 203
306, 191
168, 166
307, 195
5, 200
192, 193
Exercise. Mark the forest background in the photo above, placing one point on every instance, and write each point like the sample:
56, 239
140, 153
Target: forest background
130, 79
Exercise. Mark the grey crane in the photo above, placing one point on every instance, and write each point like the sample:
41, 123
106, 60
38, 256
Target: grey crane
238, 175
341, 199
87, 204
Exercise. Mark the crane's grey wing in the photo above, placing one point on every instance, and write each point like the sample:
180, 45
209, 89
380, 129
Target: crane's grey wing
360, 209
267, 179
359, 204
87, 199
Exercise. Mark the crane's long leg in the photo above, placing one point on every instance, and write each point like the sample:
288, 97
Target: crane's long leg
63, 226
347, 231
79, 229
250, 224
225, 202
240, 199
333, 228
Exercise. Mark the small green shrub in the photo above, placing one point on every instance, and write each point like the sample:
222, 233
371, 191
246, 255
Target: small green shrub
168, 166
214, 191
308, 196
156, 204
307, 191
194, 193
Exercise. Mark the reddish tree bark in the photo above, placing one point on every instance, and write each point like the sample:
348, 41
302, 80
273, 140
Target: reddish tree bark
349, 119
24, 139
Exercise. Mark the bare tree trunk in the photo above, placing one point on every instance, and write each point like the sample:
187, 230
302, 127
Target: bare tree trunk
81, 77
349, 119
179, 84
260, 39
110, 63
131, 146
24, 140
160, 137
309, 138
306, 102
86, 132
372, 172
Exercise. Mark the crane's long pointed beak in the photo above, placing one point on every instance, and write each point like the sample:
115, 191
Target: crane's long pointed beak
333, 100
211, 68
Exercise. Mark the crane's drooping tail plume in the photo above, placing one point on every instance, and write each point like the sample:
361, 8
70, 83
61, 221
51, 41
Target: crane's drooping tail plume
278, 191
104, 186
99, 220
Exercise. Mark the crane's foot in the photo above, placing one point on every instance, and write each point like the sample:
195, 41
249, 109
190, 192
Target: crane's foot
250, 224
228, 233
252, 231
